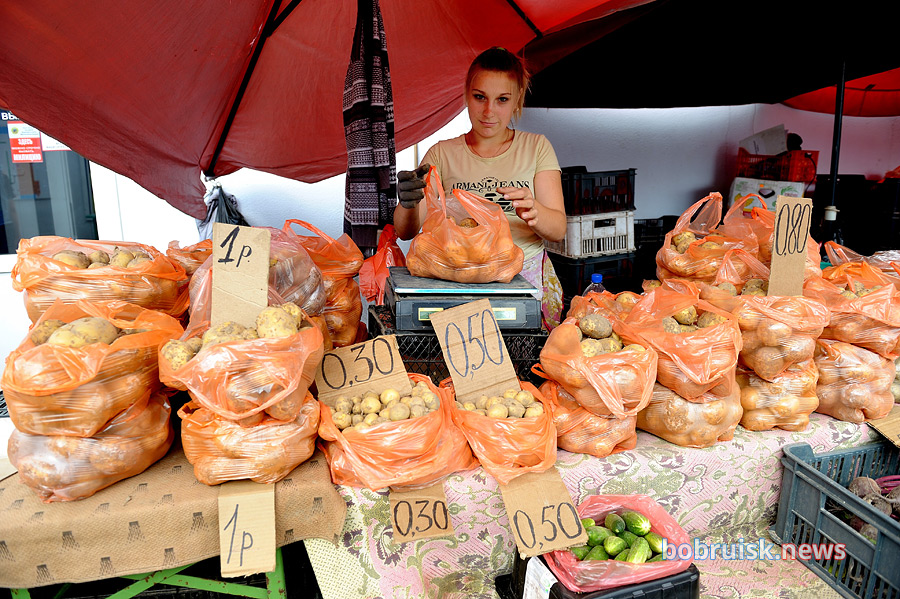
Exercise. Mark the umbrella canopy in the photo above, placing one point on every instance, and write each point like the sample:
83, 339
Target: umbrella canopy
875, 95
160, 92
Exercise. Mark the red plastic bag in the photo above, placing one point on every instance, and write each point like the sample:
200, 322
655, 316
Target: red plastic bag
155, 284
375, 270
690, 363
612, 384
411, 453
221, 450
445, 250
57, 390
69, 468
580, 431
339, 260
701, 256
507, 448
596, 575
698, 423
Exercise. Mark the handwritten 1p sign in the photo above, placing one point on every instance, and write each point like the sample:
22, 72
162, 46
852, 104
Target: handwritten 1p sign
246, 528
792, 222
240, 273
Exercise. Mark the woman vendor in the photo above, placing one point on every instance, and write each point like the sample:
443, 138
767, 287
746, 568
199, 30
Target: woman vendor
515, 169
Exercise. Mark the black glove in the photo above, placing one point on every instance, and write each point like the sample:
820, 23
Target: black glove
410, 185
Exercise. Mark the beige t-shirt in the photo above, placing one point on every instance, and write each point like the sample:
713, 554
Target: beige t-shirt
460, 168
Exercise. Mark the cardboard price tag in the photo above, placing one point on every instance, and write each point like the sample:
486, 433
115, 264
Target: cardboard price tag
474, 350
6, 468
246, 528
420, 514
373, 365
889, 426
240, 273
541, 514
792, 222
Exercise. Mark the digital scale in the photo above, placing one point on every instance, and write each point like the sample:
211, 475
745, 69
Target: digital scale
414, 299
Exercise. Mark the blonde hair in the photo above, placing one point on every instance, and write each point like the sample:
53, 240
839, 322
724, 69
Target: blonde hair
501, 60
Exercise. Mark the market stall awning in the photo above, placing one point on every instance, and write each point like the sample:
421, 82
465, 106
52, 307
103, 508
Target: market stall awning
161, 92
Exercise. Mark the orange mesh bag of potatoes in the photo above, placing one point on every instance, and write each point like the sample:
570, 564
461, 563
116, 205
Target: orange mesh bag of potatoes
83, 363
697, 344
691, 423
465, 238
616, 304
62, 468
339, 260
854, 383
379, 439
602, 363
245, 374
49, 268
740, 274
293, 278
883, 261
222, 450
693, 250
864, 305
510, 434
580, 431
784, 402
190, 257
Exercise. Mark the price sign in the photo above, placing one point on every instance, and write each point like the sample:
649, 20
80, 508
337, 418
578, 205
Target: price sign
246, 528
889, 426
240, 284
541, 514
6, 468
792, 221
474, 350
420, 514
374, 365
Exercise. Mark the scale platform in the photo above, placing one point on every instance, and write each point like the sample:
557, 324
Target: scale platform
414, 299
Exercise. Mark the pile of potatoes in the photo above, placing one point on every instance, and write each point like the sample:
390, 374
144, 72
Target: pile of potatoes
771, 345
78, 333
702, 262
580, 431
852, 324
100, 259
690, 319
513, 403
361, 412
854, 383
696, 423
599, 338
273, 322
784, 402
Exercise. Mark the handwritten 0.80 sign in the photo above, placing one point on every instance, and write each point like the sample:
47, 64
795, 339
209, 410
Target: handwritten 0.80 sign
792, 225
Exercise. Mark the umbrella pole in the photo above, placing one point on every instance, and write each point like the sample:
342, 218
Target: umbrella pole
836, 136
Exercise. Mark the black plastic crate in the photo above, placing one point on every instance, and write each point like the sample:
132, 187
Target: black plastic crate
684, 585
814, 499
421, 351
596, 192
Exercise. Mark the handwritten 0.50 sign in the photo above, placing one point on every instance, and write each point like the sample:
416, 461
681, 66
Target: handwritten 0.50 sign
792, 225
482, 349
366, 357
557, 520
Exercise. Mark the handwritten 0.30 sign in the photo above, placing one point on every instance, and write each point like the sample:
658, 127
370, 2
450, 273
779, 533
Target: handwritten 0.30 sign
372, 365
789, 239
419, 514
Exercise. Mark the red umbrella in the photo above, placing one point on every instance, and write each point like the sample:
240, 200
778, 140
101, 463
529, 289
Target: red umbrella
875, 95
160, 92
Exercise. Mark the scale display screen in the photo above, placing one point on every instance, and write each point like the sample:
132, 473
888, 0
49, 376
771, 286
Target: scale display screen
508, 313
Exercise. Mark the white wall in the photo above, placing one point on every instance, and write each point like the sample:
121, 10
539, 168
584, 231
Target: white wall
680, 155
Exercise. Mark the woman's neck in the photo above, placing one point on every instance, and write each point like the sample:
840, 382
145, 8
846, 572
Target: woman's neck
488, 148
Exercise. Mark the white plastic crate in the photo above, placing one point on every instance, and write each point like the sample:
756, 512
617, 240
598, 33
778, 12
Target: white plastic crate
596, 235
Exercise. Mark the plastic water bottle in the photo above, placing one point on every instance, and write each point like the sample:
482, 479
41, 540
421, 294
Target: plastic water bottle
596, 284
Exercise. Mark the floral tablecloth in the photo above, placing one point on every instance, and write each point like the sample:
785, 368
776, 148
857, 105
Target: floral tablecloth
716, 493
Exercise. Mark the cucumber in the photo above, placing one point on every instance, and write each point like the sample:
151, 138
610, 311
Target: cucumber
614, 545
615, 523
655, 542
597, 553
639, 552
656, 558
636, 523
597, 534
587, 522
622, 557
581, 551
629, 538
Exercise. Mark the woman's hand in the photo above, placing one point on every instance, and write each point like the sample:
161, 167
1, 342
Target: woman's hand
523, 202
546, 217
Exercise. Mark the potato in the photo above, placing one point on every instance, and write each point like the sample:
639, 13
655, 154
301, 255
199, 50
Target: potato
430, 400
99, 257
798, 348
748, 318
710, 245
399, 411
524, 397
595, 326
481, 403
121, 258
750, 398
767, 362
683, 236
97, 265
670, 325
727, 287
686, 315
515, 409
417, 411
755, 291
710, 319
194, 343
849, 294
590, 347
756, 283
370, 405
356, 418
84, 331
274, 322
223, 333
634, 347
470, 407
73, 258
342, 420
138, 261
510, 394
370, 418
773, 333
536, 409
388, 395
609, 345
689, 328
628, 299
468, 223
342, 404
652, 284
42, 332
498, 410
176, 353
682, 246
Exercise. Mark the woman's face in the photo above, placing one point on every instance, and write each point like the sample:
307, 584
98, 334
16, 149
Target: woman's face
491, 100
